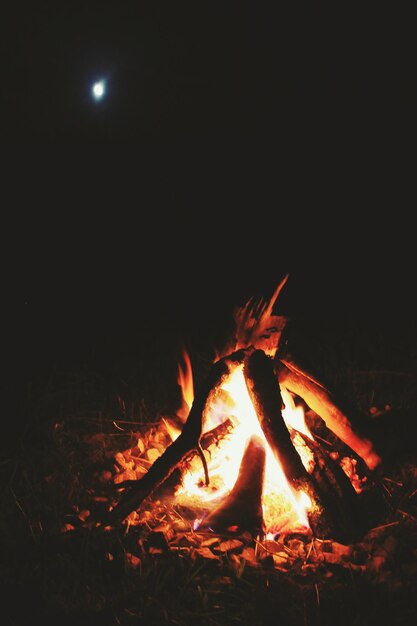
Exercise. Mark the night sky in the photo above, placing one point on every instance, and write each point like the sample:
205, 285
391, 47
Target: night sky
235, 143
186, 71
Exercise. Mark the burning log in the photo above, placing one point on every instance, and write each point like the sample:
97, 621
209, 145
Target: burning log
352, 429
266, 398
178, 451
242, 509
212, 437
265, 394
336, 491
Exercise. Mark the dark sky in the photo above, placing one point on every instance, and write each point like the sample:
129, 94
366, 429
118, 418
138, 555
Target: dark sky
237, 142
189, 70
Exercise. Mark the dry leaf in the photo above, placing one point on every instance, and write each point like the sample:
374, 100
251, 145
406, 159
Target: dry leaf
153, 454
280, 558
377, 562
229, 544
210, 541
120, 459
249, 555
341, 550
272, 546
332, 559
280, 562
132, 559
67, 528
357, 568
83, 515
206, 553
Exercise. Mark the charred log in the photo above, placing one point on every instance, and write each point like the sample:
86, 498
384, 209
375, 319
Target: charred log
343, 420
178, 450
242, 509
336, 492
210, 438
265, 395
264, 391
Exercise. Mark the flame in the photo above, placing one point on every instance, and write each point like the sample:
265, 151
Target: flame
294, 415
283, 507
256, 325
171, 428
185, 381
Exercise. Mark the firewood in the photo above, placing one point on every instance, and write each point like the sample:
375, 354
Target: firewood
242, 508
212, 437
265, 393
336, 492
354, 429
266, 398
178, 450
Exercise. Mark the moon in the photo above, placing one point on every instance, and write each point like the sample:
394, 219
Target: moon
99, 90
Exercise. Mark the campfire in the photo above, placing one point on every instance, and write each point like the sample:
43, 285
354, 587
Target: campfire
262, 446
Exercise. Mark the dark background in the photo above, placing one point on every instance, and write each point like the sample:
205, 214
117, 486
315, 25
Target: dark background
238, 142
190, 71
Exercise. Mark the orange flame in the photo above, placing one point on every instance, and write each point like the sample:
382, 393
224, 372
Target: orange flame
255, 325
185, 381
